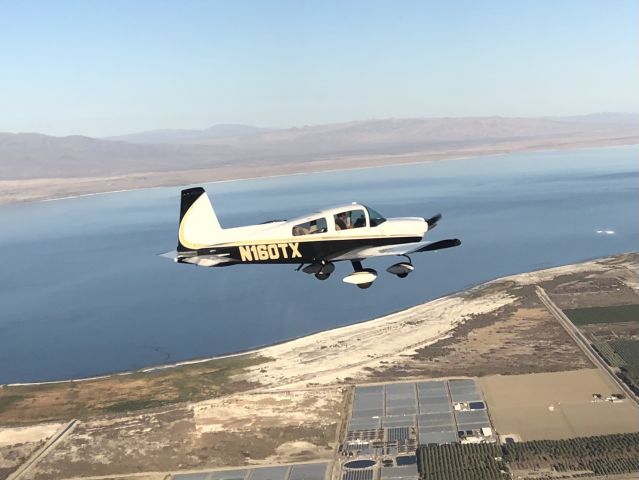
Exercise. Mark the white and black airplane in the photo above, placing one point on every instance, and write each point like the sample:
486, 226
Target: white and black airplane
316, 241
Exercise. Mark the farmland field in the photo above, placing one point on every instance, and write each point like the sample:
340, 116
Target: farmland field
623, 354
609, 354
628, 351
556, 405
619, 313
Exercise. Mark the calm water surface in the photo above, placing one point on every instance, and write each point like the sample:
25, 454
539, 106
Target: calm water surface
82, 291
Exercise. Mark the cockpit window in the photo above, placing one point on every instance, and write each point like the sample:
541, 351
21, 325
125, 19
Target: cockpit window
317, 225
350, 219
375, 217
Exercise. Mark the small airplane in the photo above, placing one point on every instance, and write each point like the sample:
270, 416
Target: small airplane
316, 241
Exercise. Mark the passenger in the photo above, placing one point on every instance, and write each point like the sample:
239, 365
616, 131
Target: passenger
342, 221
299, 230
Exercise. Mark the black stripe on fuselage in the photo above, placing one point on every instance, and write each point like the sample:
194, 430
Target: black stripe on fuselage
290, 251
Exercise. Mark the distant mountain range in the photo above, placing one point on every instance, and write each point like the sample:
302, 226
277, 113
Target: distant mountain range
32, 155
189, 136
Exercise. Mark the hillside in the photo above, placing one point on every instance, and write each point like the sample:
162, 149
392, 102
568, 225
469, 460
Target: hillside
35, 166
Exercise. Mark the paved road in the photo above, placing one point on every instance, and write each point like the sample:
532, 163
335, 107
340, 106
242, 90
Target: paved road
583, 343
43, 451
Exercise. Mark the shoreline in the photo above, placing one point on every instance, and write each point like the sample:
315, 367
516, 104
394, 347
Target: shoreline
65, 188
256, 351
292, 404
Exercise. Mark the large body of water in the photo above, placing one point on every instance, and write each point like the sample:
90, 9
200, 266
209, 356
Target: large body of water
82, 291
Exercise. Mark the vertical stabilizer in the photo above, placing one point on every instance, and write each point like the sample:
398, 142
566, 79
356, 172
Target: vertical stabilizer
199, 226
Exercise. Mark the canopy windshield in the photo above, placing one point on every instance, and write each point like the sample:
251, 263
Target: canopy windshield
375, 217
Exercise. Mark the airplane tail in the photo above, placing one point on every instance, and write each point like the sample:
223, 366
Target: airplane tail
199, 225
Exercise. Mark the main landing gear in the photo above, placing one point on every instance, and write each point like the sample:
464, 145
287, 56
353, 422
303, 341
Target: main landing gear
362, 277
402, 269
322, 270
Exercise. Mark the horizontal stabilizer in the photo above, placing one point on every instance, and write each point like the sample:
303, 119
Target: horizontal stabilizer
199, 260
172, 255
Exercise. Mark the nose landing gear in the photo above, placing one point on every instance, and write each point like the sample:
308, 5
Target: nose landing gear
362, 277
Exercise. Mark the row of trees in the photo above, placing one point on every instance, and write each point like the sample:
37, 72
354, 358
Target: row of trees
602, 455
623, 354
628, 350
461, 462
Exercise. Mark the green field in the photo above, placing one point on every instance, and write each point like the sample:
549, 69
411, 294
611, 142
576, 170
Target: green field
628, 350
623, 354
617, 314
609, 354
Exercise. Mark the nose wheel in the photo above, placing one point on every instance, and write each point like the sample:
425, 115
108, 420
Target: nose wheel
364, 286
362, 277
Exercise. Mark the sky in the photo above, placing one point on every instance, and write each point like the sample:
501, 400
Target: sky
111, 67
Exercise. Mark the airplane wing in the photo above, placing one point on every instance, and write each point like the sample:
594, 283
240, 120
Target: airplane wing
400, 249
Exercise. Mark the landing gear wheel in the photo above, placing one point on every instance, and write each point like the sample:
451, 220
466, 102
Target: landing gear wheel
321, 270
327, 269
401, 269
362, 277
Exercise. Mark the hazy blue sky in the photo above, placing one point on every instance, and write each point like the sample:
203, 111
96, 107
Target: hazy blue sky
109, 67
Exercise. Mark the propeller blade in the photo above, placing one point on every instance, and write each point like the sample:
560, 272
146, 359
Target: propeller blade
432, 221
441, 244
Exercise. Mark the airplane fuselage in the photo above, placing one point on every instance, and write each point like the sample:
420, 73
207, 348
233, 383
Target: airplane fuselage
285, 245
